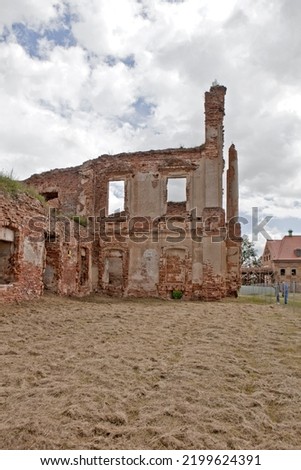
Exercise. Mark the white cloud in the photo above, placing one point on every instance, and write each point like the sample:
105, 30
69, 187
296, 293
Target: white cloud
33, 13
63, 105
106, 30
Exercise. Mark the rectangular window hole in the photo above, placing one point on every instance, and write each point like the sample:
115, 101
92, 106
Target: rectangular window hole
176, 190
6, 262
116, 197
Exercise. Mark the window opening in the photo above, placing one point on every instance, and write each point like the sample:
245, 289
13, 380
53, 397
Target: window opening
116, 197
115, 272
7, 256
176, 190
84, 266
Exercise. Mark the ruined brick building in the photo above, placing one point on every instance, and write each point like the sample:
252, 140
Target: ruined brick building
169, 233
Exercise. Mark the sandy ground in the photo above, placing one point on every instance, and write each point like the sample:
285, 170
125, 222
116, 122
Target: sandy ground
103, 373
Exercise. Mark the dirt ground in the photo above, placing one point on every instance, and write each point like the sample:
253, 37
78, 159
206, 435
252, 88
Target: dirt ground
103, 373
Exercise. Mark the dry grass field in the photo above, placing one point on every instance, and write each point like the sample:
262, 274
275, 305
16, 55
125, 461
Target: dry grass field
102, 373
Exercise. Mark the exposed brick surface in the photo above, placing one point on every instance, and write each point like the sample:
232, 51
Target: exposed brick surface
153, 246
27, 259
44, 254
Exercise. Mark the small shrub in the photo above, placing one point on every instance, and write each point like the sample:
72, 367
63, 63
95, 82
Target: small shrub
177, 294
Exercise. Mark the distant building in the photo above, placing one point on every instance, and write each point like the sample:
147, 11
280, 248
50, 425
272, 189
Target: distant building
282, 258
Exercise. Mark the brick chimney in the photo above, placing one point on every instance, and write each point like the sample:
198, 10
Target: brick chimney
214, 114
214, 143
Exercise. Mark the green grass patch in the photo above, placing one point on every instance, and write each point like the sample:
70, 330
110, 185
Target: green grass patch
80, 219
294, 300
11, 186
255, 299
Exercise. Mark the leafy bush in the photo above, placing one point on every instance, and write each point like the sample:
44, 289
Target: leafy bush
177, 294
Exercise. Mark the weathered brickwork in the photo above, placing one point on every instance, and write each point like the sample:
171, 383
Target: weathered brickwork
68, 253
21, 272
38, 253
158, 242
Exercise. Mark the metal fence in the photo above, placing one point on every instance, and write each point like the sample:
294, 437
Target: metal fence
267, 293
257, 289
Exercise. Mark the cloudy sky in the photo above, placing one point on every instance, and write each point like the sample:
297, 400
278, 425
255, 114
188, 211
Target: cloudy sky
79, 78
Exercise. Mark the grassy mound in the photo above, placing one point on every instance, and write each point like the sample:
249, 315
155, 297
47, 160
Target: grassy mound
9, 185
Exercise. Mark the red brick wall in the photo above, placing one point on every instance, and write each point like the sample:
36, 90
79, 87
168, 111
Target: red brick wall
20, 214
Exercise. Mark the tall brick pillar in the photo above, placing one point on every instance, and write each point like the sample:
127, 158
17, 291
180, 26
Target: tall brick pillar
214, 115
234, 236
232, 184
214, 133
214, 247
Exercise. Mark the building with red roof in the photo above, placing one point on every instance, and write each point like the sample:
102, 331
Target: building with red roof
283, 259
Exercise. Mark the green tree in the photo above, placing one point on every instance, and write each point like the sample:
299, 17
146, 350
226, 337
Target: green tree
248, 253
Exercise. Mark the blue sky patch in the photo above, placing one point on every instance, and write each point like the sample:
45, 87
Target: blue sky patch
27, 38
61, 35
111, 61
129, 60
143, 108
142, 111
